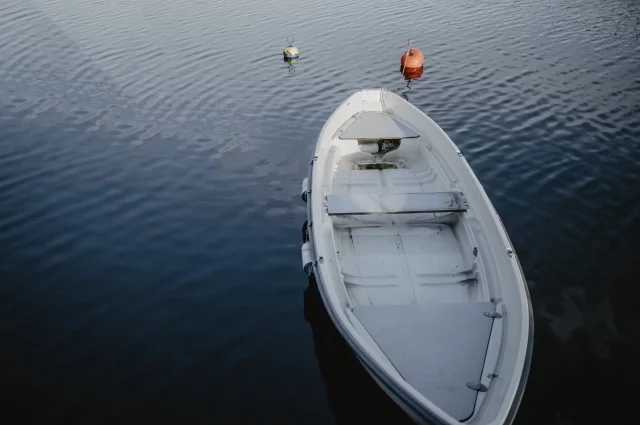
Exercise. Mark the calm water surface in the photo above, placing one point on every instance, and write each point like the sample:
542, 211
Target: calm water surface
151, 153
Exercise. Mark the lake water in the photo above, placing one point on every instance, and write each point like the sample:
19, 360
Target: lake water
151, 154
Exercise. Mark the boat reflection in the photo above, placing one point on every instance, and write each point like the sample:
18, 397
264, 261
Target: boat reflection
353, 395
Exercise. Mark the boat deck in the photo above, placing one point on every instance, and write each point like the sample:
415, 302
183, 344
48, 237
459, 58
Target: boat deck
403, 258
440, 370
410, 282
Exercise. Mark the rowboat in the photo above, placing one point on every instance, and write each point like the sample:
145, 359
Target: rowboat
414, 265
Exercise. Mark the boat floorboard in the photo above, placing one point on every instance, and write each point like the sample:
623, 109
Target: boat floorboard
437, 348
393, 261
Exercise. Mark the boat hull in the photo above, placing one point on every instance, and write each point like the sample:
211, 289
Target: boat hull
417, 409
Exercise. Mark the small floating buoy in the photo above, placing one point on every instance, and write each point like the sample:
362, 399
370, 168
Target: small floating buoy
412, 58
291, 52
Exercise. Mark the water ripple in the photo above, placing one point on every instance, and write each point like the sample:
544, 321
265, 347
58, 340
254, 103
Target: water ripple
150, 159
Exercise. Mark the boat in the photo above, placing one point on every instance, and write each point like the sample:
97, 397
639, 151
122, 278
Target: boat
414, 265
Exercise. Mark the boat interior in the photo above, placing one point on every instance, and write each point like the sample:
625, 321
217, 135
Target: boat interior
409, 260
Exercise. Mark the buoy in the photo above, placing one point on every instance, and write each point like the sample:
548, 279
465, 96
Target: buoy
411, 73
412, 58
291, 52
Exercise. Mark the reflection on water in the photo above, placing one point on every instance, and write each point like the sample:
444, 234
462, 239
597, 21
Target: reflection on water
151, 153
291, 65
408, 75
583, 365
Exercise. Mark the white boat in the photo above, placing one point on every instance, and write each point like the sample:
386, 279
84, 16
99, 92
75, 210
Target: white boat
414, 265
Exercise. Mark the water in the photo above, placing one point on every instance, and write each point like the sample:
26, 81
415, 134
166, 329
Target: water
151, 153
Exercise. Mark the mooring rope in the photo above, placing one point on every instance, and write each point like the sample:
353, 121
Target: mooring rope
404, 67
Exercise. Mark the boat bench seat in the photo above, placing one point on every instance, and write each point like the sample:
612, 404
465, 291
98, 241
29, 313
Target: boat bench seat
395, 203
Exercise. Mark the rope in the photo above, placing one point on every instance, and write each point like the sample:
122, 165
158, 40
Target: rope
404, 66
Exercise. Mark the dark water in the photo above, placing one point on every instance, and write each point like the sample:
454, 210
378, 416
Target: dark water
151, 153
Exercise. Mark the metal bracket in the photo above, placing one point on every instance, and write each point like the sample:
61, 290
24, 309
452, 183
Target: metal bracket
308, 269
469, 281
305, 231
477, 386
493, 314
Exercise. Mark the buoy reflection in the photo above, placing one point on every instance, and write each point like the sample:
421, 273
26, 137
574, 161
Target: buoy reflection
291, 65
409, 75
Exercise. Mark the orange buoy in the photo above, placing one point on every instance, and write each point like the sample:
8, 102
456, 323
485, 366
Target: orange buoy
412, 59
